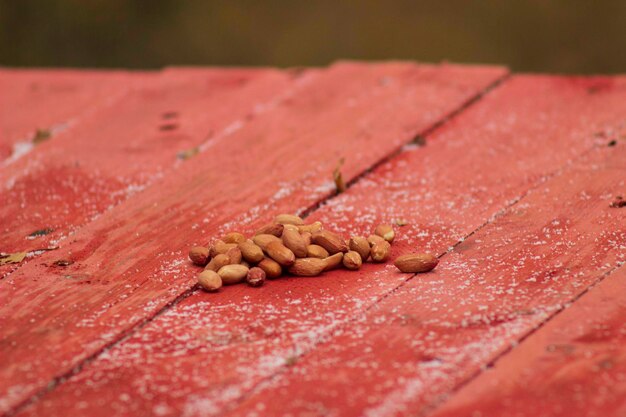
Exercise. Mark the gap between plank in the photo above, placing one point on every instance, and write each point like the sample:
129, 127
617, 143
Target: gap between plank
132, 330
436, 404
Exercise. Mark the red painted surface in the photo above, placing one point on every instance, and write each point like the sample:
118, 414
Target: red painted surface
52, 100
131, 261
206, 354
125, 146
574, 366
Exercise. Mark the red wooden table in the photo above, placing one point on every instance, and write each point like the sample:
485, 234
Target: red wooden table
107, 178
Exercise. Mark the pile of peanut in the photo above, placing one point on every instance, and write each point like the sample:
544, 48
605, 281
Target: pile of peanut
289, 245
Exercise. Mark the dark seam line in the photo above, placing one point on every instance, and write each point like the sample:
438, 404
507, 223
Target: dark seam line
433, 406
126, 334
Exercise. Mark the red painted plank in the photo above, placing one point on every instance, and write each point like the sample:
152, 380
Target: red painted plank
574, 366
121, 149
131, 261
204, 354
52, 100
439, 329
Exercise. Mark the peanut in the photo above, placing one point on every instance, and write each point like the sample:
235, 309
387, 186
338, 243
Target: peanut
329, 241
416, 262
316, 251
380, 251
361, 245
333, 261
210, 280
234, 237
271, 229
307, 267
385, 231
234, 254
281, 254
232, 274
251, 252
288, 219
199, 255
263, 240
219, 261
271, 267
352, 260
255, 277
293, 241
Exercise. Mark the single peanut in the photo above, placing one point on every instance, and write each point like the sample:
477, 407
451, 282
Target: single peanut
255, 277
234, 254
199, 255
416, 262
219, 261
380, 251
330, 241
232, 274
385, 231
210, 280
316, 251
263, 240
271, 267
271, 229
352, 260
251, 252
371, 239
219, 246
333, 261
281, 254
294, 242
361, 245
288, 219
307, 267
234, 237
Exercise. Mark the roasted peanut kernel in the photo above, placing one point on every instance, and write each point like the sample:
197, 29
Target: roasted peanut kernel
294, 242
288, 219
352, 260
234, 237
385, 231
232, 274
311, 228
251, 252
380, 251
263, 240
271, 267
316, 251
416, 262
255, 277
374, 239
219, 261
271, 229
307, 267
361, 245
199, 255
307, 237
330, 241
333, 261
219, 246
209, 280
281, 254
234, 254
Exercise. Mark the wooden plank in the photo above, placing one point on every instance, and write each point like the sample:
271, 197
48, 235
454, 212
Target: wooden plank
51, 100
573, 366
121, 149
131, 262
206, 353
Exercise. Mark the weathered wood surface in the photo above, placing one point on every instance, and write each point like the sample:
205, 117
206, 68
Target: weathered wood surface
115, 152
52, 101
573, 366
312, 346
130, 262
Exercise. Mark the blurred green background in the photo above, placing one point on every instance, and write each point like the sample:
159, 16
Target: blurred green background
574, 36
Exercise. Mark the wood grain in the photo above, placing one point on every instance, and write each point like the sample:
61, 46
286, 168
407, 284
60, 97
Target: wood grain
574, 365
52, 101
115, 152
307, 346
131, 261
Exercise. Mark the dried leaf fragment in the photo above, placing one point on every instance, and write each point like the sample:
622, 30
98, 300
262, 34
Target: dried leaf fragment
12, 258
340, 185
